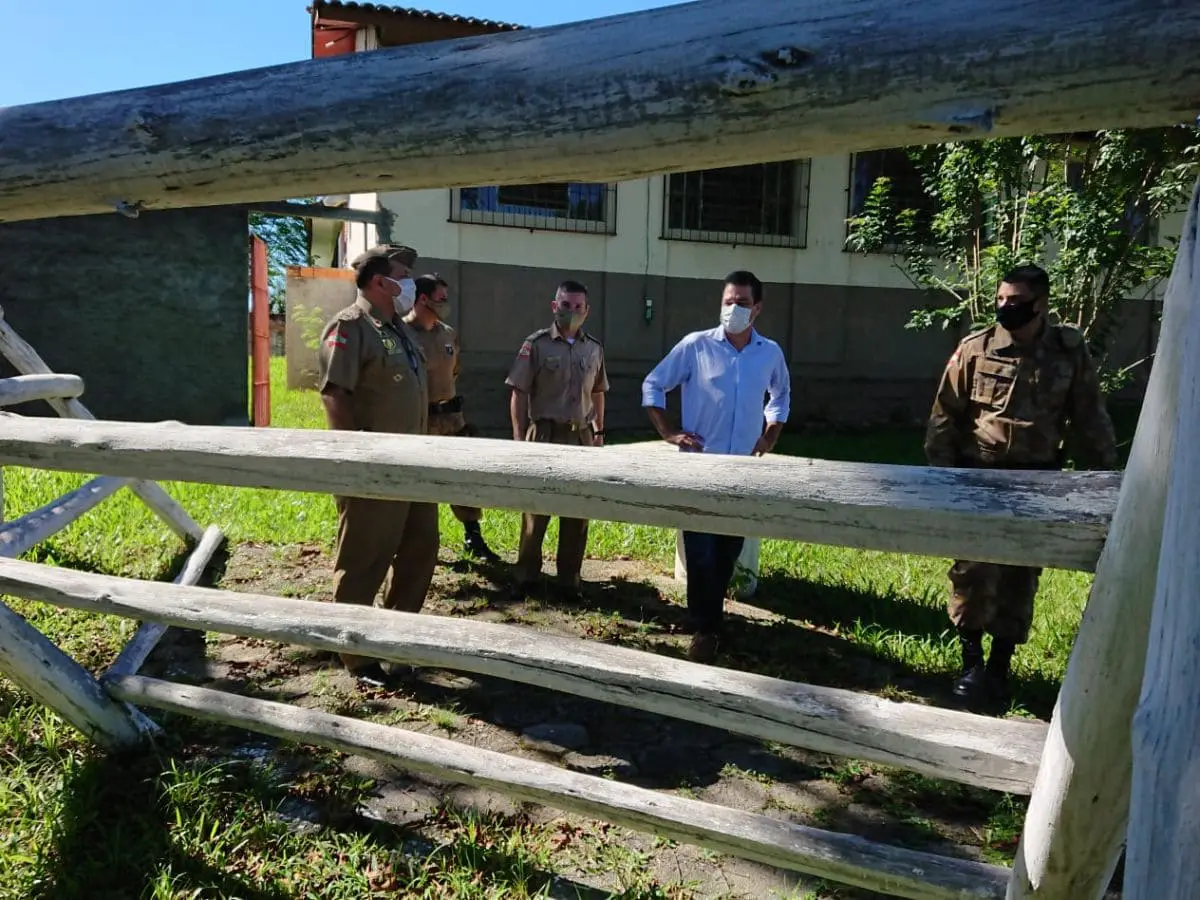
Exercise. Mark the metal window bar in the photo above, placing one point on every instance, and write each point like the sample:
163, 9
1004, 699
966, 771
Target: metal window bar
576, 207
908, 191
764, 205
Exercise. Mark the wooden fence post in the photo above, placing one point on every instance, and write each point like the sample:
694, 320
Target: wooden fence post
1164, 822
1077, 814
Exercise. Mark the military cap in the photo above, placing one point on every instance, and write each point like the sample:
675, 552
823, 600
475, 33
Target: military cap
406, 255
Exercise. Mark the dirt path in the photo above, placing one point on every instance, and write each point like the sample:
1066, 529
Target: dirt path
629, 603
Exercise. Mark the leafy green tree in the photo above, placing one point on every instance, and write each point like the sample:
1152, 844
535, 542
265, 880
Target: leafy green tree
1083, 206
287, 240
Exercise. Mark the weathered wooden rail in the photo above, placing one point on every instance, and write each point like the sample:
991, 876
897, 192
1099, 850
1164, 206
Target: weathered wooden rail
785, 80
1054, 519
713, 83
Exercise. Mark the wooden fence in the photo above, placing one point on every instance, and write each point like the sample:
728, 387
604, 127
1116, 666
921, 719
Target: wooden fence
792, 78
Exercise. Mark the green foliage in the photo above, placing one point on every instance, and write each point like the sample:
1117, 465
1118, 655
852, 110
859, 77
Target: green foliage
287, 245
1083, 207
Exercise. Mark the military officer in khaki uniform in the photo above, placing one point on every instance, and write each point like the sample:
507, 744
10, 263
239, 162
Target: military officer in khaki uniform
1009, 397
558, 382
373, 378
439, 342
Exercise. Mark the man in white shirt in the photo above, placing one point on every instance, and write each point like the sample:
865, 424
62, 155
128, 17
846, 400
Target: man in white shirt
725, 373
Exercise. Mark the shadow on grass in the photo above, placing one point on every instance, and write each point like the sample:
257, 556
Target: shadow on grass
114, 834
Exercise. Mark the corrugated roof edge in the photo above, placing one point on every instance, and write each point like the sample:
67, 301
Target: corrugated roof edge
333, 5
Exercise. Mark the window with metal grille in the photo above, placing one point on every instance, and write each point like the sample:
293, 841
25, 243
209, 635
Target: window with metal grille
764, 204
586, 207
907, 190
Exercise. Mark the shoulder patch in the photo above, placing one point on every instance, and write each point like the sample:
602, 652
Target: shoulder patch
1069, 336
336, 337
526, 349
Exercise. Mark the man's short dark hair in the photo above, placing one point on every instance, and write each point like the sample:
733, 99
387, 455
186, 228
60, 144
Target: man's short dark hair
572, 287
369, 268
1033, 277
427, 285
742, 278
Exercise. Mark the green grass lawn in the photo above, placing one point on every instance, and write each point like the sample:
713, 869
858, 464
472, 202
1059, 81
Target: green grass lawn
202, 828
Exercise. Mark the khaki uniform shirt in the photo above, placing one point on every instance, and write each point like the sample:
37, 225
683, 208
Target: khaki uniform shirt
442, 361
1004, 405
381, 366
559, 377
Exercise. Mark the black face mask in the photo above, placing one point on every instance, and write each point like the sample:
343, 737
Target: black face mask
1015, 317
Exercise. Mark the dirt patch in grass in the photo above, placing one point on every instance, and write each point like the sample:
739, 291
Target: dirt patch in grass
629, 603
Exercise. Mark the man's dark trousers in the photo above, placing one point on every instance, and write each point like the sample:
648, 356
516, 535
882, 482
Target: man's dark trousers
710, 560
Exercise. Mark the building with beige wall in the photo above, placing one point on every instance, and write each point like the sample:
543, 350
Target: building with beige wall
653, 252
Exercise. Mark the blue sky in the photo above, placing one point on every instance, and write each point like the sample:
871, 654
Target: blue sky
86, 47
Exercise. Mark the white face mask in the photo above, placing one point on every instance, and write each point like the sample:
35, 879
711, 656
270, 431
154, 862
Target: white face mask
407, 296
734, 318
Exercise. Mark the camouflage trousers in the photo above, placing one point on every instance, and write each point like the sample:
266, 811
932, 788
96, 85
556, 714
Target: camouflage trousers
994, 598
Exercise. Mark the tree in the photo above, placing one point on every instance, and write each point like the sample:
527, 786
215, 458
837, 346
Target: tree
287, 242
1082, 206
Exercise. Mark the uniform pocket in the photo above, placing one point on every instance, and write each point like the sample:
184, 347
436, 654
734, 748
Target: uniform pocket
993, 382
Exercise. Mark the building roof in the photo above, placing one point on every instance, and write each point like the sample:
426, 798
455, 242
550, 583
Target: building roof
333, 10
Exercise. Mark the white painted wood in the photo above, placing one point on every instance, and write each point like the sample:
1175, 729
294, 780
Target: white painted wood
1162, 862
38, 667
995, 753
737, 82
26, 388
1075, 825
134, 654
745, 579
839, 857
1054, 519
20, 535
27, 361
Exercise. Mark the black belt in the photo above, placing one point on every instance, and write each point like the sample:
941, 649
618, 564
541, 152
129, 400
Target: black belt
446, 407
566, 426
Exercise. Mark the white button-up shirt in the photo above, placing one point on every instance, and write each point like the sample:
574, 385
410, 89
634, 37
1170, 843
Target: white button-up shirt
723, 388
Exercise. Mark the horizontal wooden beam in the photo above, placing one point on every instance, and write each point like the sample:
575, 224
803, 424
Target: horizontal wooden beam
25, 533
134, 654
737, 82
1050, 519
27, 388
25, 359
979, 750
840, 857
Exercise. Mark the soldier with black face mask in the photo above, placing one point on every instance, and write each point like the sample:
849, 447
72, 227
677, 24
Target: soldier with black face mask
1010, 396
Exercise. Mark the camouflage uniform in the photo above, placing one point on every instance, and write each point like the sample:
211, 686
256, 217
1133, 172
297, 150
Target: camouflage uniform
1003, 405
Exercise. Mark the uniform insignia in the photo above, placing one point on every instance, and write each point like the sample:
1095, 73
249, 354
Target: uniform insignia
449, 349
526, 350
335, 339
388, 344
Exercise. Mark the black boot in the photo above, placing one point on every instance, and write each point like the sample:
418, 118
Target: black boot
970, 685
474, 546
997, 669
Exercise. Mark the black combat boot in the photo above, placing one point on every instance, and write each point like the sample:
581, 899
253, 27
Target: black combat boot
474, 546
970, 685
996, 671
